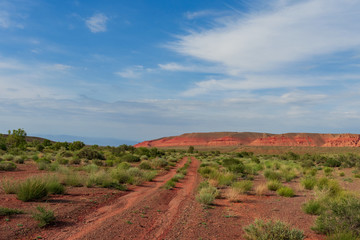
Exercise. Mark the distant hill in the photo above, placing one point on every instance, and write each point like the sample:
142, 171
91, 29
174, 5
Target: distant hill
256, 139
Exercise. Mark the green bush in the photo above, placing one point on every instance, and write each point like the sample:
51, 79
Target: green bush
342, 215
145, 165
342, 236
225, 179
207, 194
170, 184
53, 186
72, 179
274, 185
121, 175
9, 211
20, 159
7, 166
308, 183
285, 192
8, 157
272, 175
90, 153
45, 217
130, 158
149, 175
313, 207
31, 189
261, 230
160, 163
9, 187
242, 186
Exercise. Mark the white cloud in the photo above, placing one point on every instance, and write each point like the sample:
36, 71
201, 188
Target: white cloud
251, 82
173, 67
8, 21
273, 39
199, 14
133, 72
97, 23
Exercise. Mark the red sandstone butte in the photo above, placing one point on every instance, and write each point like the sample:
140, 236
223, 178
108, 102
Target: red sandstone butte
256, 139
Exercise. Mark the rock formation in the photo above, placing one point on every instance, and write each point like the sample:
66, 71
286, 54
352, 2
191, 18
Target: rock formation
256, 139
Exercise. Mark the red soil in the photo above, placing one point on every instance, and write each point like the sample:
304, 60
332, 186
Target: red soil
256, 139
152, 212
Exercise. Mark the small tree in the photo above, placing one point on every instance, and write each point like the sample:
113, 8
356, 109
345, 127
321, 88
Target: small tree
191, 149
16, 138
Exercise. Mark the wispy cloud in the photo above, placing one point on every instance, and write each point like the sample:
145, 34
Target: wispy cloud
97, 22
200, 14
133, 72
273, 39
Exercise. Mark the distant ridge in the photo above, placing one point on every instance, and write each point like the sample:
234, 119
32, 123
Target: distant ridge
256, 139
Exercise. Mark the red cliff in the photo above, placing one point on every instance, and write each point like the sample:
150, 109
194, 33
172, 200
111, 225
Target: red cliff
256, 139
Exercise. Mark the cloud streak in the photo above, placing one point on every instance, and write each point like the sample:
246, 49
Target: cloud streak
97, 23
274, 39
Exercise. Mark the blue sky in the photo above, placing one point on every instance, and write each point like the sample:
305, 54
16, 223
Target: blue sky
143, 69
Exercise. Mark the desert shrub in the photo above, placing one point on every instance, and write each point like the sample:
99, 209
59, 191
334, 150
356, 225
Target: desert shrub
346, 235
145, 165
342, 214
45, 217
313, 207
8, 157
288, 175
75, 160
206, 171
100, 178
261, 230
90, 153
342, 174
121, 175
274, 185
130, 158
225, 179
272, 175
260, 189
42, 165
9, 211
170, 184
72, 179
53, 186
149, 175
332, 162
135, 172
207, 195
9, 186
20, 159
160, 163
308, 183
97, 162
328, 171
331, 187
232, 195
77, 145
31, 189
7, 166
91, 168
230, 161
242, 186
285, 192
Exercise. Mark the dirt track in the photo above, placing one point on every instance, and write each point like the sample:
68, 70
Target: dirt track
145, 213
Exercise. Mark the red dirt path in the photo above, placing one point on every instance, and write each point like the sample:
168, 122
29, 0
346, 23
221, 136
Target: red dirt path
152, 212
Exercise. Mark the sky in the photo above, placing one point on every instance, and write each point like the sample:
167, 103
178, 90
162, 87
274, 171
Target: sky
139, 70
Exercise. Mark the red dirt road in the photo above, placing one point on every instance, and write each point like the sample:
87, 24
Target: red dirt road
131, 217
152, 212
